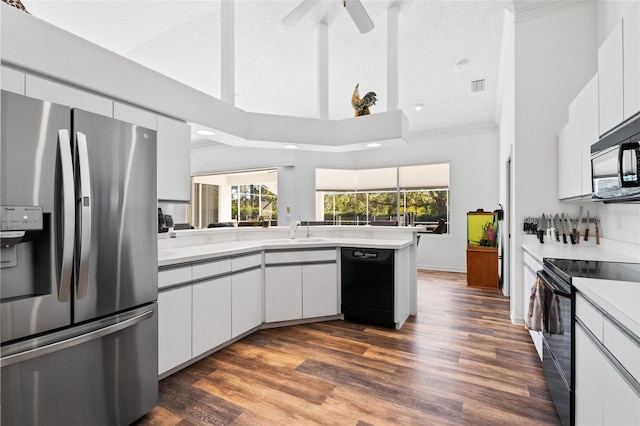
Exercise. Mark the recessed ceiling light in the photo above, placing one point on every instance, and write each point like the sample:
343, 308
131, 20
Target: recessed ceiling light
373, 145
418, 107
291, 146
205, 132
461, 64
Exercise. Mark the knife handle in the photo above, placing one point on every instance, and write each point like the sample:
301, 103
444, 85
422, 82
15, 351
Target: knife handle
586, 234
557, 235
577, 237
573, 238
597, 235
564, 238
541, 236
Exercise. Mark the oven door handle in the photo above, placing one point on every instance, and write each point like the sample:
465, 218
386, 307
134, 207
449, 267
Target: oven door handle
549, 282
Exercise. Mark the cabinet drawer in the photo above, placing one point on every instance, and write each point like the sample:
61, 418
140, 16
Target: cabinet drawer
246, 262
169, 277
299, 256
589, 316
211, 269
625, 350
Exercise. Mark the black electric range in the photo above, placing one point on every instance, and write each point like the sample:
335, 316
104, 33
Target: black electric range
567, 269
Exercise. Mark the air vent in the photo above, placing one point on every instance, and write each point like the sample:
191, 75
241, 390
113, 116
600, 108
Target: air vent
478, 85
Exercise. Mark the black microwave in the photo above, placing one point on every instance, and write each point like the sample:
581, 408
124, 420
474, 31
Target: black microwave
615, 162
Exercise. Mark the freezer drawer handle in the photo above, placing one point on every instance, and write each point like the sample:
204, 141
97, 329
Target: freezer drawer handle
74, 341
68, 215
85, 215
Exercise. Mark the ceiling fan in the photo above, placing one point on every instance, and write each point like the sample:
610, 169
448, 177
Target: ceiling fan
354, 7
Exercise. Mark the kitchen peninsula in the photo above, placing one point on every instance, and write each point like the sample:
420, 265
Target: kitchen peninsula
218, 285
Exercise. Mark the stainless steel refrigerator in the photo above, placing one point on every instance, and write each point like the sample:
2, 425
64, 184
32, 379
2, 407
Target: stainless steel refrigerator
78, 266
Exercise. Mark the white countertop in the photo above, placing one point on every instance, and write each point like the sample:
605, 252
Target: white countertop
583, 251
620, 299
172, 256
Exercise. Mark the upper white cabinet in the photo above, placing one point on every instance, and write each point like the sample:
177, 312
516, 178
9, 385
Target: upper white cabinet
569, 174
619, 71
631, 56
12, 80
574, 144
610, 88
47, 90
174, 160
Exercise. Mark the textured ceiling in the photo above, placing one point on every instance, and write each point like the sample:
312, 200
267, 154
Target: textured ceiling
276, 66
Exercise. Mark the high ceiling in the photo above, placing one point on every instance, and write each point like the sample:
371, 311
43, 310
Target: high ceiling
276, 66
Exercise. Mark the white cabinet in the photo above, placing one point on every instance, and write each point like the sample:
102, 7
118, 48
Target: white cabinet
589, 370
12, 80
531, 266
211, 318
631, 55
246, 299
300, 284
133, 115
47, 90
568, 166
610, 79
319, 290
174, 328
174, 160
574, 144
607, 391
283, 293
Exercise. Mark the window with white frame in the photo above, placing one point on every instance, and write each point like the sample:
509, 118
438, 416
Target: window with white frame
357, 197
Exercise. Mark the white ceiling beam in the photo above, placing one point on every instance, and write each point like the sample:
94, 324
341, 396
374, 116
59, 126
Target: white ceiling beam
323, 70
227, 60
393, 57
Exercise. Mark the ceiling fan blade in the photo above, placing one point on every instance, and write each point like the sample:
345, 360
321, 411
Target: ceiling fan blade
359, 15
300, 10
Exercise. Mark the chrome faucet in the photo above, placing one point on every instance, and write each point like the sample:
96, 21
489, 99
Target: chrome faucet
292, 228
308, 233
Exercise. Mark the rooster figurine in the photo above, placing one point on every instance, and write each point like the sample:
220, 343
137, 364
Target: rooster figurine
361, 106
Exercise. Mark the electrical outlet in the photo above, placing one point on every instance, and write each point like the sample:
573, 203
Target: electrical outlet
209, 239
368, 234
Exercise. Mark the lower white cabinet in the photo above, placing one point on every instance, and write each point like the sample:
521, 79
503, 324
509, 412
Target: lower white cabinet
530, 276
246, 301
606, 393
589, 368
283, 293
211, 316
319, 290
174, 327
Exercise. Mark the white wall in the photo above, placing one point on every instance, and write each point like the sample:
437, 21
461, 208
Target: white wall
554, 59
472, 153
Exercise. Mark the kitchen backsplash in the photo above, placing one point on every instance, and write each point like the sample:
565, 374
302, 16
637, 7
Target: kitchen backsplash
620, 222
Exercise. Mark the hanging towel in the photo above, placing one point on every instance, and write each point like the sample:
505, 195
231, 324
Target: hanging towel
554, 321
536, 302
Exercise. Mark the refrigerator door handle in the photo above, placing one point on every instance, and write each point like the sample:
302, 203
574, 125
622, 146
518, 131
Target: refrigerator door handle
103, 331
84, 202
68, 215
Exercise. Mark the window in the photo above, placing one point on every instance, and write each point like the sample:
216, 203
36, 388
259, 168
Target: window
241, 198
359, 197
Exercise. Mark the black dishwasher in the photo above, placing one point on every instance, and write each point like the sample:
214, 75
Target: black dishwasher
368, 286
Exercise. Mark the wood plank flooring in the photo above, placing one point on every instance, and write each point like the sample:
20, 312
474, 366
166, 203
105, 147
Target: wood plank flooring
460, 361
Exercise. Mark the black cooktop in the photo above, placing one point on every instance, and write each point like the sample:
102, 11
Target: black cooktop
616, 271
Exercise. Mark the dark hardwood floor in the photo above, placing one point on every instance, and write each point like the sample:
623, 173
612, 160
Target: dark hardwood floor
460, 361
